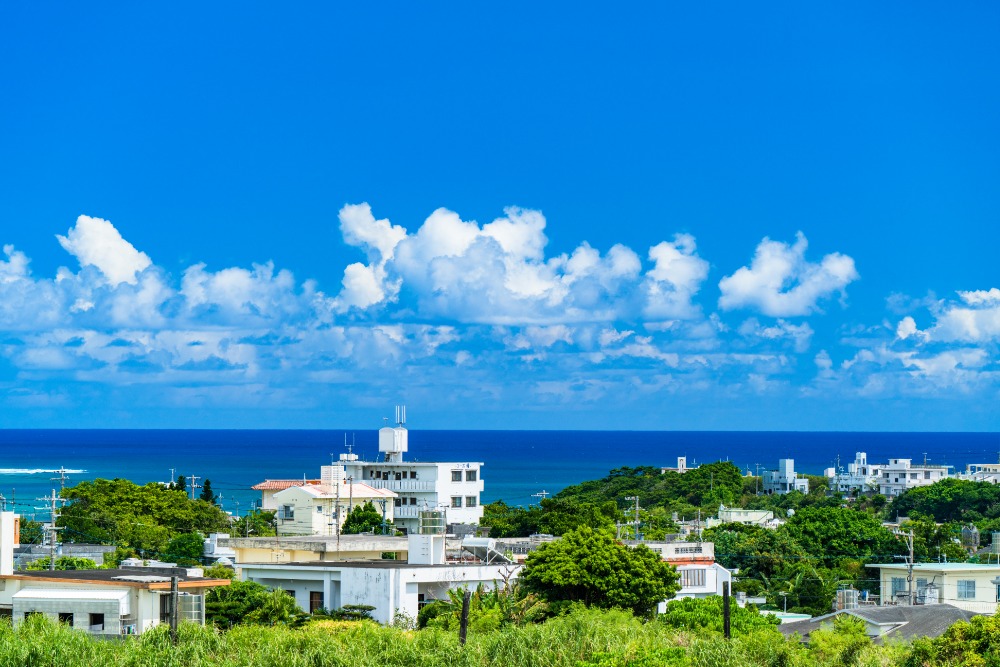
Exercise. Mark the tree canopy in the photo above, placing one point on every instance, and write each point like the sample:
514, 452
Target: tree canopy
591, 567
140, 518
362, 519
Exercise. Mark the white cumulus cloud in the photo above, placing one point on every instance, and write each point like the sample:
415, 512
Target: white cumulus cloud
96, 242
780, 282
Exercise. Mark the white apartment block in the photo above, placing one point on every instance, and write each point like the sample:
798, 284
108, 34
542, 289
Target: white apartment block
860, 476
784, 479
455, 488
900, 474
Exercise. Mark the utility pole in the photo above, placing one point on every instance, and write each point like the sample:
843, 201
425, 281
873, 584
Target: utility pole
336, 510
350, 497
53, 530
909, 571
757, 481
63, 476
541, 494
194, 485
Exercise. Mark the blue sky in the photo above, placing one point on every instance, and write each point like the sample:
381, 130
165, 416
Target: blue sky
656, 217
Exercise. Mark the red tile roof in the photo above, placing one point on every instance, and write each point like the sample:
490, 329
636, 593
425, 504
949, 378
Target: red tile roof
282, 484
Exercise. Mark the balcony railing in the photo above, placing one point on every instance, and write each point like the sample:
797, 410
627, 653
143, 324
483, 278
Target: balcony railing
398, 485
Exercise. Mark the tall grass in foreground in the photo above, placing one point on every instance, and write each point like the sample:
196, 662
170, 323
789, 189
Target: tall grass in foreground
583, 638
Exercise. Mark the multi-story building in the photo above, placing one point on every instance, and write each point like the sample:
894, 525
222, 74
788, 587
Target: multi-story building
419, 485
784, 479
860, 476
900, 474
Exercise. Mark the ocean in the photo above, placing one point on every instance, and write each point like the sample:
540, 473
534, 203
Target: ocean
518, 464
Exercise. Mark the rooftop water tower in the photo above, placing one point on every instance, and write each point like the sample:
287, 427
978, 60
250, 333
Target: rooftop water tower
393, 441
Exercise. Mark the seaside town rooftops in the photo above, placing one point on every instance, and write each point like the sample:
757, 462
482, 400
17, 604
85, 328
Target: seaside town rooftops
282, 484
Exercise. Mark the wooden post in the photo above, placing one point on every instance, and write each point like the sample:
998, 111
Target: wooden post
463, 628
174, 611
725, 609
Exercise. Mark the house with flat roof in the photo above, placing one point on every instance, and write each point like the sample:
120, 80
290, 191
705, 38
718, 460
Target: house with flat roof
390, 586
123, 601
974, 587
784, 479
901, 474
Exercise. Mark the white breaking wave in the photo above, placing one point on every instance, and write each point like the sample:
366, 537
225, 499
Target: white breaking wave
37, 471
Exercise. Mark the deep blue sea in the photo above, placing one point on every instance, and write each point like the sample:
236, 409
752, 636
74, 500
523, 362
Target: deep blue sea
517, 463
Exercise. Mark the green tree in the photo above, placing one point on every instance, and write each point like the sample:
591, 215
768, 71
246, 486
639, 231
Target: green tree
590, 566
142, 518
362, 519
181, 484
31, 532
206, 492
258, 523
220, 571
277, 608
63, 563
185, 549
706, 614
225, 606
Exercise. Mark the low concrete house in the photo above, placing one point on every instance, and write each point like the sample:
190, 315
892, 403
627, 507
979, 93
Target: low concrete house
318, 509
969, 586
903, 623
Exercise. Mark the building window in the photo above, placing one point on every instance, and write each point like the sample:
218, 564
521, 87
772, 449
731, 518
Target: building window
66, 617
898, 586
97, 622
413, 501
470, 475
456, 475
692, 578
470, 501
319, 509
927, 475
286, 513
966, 589
315, 601
395, 502
456, 501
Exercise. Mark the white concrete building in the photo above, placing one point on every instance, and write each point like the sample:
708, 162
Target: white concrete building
900, 474
981, 472
390, 586
763, 518
784, 479
860, 476
700, 576
968, 586
419, 485
124, 601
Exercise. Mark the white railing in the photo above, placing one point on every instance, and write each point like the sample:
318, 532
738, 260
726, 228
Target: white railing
399, 485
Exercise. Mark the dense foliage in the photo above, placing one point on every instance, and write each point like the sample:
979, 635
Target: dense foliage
581, 638
142, 519
706, 615
591, 567
362, 519
63, 563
